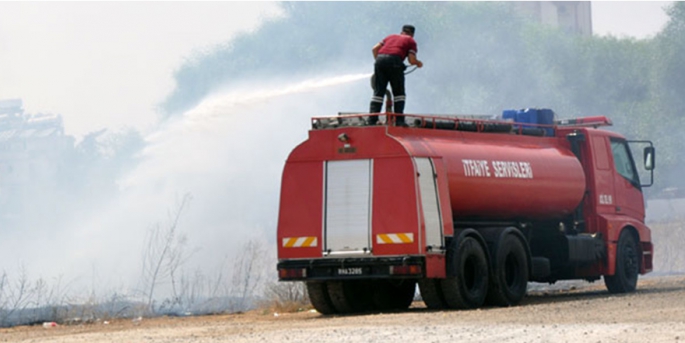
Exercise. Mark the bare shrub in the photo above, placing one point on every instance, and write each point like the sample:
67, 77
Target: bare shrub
23, 301
248, 273
287, 297
15, 297
200, 293
164, 253
49, 300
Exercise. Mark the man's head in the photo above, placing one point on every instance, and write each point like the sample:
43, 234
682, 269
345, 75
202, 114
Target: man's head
408, 29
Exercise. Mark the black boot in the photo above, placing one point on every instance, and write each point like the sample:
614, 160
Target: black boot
399, 108
374, 108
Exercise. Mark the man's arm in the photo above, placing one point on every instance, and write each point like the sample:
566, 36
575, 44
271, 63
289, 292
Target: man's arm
414, 61
375, 50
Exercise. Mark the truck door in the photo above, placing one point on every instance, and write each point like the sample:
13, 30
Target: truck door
347, 207
628, 192
429, 202
602, 176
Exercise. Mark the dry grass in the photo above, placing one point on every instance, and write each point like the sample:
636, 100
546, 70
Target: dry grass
286, 297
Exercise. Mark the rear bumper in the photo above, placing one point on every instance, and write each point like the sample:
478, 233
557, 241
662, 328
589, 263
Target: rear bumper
327, 269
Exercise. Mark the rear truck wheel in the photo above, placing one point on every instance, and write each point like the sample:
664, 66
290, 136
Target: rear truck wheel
431, 293
624, 279
466, 284
350, 296
318, 296
393, 295
509, 278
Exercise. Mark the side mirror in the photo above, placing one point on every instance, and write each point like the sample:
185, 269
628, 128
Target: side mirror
649, 158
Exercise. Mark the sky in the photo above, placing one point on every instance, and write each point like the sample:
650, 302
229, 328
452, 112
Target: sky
638, 19
109, 64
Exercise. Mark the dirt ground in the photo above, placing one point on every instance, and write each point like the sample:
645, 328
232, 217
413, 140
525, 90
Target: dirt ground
568, 313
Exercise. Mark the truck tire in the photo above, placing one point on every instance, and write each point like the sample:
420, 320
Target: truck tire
624, 279
351, 296
467, 268
431, 293
393, 295
318, 296
509, 278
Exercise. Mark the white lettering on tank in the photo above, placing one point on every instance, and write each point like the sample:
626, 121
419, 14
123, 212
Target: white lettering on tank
476, 168
502, 169
511, 169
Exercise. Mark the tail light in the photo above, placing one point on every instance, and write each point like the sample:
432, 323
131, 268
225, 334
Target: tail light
406, 270
295, 273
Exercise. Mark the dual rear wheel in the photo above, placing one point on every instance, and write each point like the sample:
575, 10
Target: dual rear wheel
466, 284
474, 279
355, 296
509, 281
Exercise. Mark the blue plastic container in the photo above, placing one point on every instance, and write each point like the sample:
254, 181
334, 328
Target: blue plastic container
531, 116
510, 114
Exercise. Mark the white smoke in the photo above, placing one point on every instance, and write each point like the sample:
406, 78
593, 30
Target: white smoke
228, 153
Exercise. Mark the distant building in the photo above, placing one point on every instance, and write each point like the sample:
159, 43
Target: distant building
572, 16
32, 156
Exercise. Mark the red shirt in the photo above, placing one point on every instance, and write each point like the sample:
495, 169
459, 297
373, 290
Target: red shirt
400, 45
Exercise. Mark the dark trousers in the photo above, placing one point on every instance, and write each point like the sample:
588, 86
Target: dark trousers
388, 69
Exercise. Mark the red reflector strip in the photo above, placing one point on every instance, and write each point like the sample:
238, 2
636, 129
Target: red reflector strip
299, 273
406, 270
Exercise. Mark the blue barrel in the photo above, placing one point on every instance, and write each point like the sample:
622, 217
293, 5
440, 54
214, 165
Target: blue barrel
533, 116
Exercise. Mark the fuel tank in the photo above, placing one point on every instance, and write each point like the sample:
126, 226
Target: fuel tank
502, 176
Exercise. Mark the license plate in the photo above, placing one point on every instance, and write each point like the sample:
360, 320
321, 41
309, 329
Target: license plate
350, 271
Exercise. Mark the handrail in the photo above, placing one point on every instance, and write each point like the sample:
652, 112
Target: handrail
472, 123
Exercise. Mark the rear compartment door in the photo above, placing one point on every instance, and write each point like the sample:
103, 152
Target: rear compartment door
347, 207
429, 202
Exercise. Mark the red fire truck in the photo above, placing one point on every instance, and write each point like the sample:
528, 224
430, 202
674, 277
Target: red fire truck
470, 209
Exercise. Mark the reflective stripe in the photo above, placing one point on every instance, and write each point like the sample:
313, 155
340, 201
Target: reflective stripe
400, 98
300, 242
395, 238
377, 99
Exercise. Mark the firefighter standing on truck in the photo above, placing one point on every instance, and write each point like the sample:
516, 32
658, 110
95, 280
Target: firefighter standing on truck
389, 67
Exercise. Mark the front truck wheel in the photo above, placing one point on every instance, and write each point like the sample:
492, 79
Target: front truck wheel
509, 280
393, 295
467, 268
318, 296
624, 279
